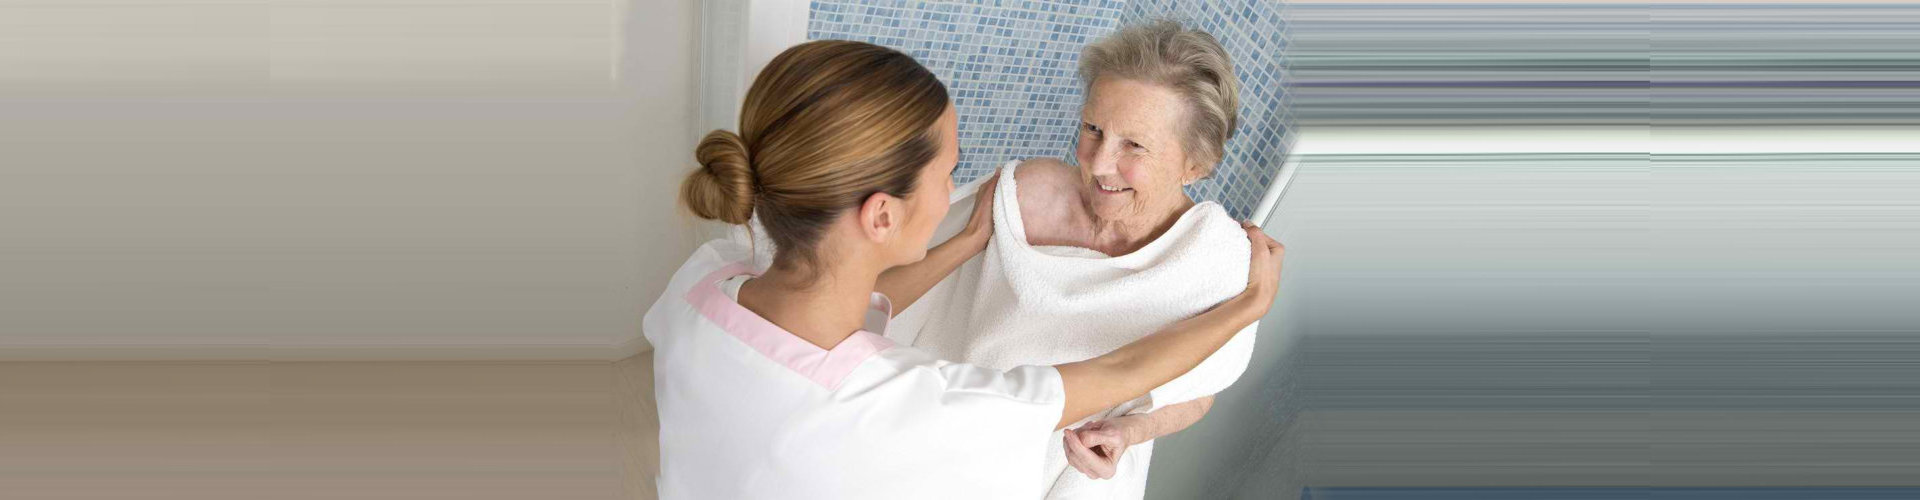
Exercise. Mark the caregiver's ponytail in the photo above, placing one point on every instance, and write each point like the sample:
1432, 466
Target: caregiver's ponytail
827, 124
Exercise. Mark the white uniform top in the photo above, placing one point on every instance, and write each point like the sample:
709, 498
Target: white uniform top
748, 410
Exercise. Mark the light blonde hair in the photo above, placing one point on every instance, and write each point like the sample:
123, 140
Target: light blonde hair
826, 125
1191, 62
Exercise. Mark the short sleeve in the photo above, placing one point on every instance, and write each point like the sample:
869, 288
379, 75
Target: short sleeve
996, 424
1022, 403
1037, 386
1213, 375
1023, 396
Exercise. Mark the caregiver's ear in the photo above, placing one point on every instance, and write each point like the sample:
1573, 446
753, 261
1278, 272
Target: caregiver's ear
880, 216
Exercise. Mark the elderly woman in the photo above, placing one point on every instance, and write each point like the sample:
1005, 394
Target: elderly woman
1103, 253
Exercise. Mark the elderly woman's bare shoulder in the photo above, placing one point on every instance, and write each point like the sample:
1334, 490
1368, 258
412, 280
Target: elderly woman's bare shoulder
1049, 196
1046, 172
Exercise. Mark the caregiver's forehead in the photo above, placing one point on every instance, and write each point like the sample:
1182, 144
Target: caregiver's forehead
1133, 108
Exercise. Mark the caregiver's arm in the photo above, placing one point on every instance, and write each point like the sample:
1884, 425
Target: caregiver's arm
903, 285
1132, 370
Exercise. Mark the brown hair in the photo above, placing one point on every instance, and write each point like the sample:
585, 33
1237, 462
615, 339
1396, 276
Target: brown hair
827, 124
1191, 62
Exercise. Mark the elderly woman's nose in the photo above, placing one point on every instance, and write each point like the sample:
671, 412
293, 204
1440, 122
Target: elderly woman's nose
1104, 162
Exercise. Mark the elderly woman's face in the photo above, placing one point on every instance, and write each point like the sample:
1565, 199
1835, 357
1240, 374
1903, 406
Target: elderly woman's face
1130, 151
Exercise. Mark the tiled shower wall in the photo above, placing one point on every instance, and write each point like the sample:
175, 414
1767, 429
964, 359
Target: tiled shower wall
1011, 66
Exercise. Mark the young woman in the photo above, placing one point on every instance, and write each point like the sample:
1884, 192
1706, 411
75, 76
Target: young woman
782, 385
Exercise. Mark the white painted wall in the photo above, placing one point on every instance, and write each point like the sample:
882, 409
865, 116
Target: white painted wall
335, 179
662, 50
737, 39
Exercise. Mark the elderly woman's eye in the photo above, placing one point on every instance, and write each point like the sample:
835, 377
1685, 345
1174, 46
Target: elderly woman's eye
1135, 146
1090, 128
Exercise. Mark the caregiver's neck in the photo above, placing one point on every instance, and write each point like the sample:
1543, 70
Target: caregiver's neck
822, 307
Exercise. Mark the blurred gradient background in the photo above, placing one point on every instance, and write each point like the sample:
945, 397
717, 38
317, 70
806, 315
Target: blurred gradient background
400, 249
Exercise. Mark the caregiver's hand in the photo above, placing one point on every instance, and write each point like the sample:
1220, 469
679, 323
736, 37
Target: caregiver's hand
1263, 266
980, 225
1094, 449
1130, 371
904, 285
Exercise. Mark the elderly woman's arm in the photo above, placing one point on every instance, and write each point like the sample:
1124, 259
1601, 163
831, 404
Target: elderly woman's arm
1095, 449
1142, 427
904, 285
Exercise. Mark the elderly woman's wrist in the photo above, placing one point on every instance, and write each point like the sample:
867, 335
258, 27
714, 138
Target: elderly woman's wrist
1135, 428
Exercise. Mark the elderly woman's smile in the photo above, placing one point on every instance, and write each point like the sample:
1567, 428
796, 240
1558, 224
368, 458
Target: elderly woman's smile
1131, 156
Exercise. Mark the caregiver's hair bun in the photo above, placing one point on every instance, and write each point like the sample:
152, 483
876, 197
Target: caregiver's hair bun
722, 188
827, 124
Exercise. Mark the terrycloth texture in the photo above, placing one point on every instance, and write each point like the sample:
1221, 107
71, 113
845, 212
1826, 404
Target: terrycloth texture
1017, 304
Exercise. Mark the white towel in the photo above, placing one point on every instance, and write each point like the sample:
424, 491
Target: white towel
1017, 304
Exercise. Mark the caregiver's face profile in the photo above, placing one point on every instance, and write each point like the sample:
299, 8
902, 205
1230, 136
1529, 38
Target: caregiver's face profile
1131, 157
927, 204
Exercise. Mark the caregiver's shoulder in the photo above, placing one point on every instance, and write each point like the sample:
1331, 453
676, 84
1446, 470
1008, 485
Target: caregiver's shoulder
1049, 193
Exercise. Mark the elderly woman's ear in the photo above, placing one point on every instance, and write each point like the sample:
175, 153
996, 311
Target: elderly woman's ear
1194, 173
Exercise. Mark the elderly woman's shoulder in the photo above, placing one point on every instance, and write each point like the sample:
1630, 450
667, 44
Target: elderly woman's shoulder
1049, 199
1046, 181
1045, 170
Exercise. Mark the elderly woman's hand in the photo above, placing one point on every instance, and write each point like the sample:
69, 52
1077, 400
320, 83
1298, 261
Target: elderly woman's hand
1094, 449
980, 226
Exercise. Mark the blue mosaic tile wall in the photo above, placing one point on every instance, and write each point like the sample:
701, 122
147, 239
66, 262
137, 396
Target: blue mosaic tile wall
1009, 64
1011, 67
1255, 36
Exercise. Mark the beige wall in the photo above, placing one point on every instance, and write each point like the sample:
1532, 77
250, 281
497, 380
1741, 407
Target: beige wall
325, 178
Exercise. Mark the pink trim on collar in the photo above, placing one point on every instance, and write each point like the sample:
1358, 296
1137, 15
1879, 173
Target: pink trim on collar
826, 367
